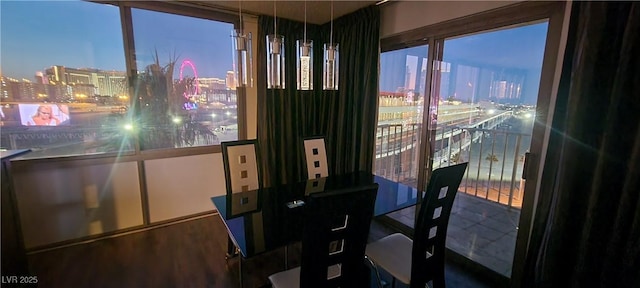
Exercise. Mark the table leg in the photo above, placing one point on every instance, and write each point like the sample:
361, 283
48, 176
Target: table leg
240, 269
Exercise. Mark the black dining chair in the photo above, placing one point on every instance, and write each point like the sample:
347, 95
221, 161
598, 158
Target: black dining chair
335, 232
418, 261
241, 161
315, 154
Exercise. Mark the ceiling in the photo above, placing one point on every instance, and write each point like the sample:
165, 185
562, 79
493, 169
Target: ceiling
318, 12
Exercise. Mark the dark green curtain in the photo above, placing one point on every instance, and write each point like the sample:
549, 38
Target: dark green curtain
587, 229
346, 118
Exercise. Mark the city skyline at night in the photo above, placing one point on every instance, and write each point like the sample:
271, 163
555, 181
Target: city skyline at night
82, 35
85, 35
474, 65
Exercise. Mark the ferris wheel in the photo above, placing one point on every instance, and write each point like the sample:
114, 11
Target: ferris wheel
195, 89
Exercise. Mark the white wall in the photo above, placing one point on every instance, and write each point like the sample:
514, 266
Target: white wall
401, 16
63, 203
182, 186
58, 203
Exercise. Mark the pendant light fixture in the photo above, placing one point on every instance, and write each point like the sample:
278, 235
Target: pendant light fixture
242, 76
330, 77
275, 56
305, 58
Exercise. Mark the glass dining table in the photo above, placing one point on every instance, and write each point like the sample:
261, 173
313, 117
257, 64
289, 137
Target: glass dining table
266, 219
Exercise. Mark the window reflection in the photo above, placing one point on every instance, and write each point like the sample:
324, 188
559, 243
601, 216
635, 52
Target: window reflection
184, 87
402, 86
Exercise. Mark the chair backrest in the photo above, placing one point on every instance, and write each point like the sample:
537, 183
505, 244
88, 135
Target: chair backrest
431, 228
335, 235
316, 157
241, 166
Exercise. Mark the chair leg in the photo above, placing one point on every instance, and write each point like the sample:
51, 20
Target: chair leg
231, 249
438, 278
286, 257
438, 281
375, 268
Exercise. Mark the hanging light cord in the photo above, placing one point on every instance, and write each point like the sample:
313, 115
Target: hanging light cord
331, 33
240, 5
305, 22
275, 27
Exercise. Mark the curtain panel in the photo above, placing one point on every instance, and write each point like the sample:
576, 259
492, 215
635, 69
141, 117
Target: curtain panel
346, 117
587, 229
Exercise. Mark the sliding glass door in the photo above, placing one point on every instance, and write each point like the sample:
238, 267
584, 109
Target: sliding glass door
486, 86
487, 82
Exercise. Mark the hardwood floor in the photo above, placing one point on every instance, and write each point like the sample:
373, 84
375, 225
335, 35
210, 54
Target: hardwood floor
186, 254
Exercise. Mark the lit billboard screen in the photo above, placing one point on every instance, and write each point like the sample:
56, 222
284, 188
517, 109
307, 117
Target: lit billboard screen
43, 114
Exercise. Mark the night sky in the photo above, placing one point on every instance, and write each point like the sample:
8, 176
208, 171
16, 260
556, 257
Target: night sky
36, 35
519, 49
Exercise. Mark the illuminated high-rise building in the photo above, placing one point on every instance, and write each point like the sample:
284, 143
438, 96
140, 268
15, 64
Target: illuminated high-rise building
411, 73
231, 84
88, 82
41, 78
208, 84
423, 77
501, 89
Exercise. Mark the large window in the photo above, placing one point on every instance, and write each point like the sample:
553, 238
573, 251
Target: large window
64, 85
65, 88
483, 100
185, 91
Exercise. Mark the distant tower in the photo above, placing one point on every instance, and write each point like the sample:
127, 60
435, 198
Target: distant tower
501, 90
41, 79
56, 74
407, 79
231, 83
445, 79
423, 77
